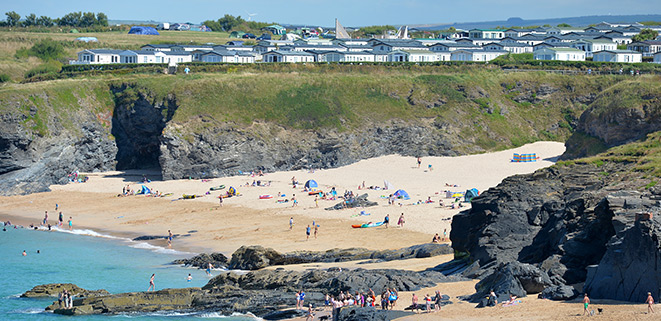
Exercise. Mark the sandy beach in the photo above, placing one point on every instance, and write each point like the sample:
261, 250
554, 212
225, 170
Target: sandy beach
206, 226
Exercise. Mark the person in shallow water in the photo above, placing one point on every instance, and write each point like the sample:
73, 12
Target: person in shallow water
151, 287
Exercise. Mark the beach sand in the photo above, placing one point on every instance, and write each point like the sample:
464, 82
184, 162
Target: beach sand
205, 226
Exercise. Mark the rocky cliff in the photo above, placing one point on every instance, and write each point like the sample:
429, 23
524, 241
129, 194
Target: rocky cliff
215, 125
576, 221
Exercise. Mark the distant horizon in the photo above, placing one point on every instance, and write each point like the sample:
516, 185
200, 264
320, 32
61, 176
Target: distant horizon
410, 24
350, 13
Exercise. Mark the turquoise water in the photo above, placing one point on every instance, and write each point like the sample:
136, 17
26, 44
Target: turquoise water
91, 262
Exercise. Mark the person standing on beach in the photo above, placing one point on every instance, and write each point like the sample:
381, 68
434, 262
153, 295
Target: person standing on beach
386, 220
414, 304
60, 220
310, 314
650, 303
45, 222
220, 198
291, 223
316, 229
316, 200
307, 232
400, 222
419, 161
445, 234
169, 239
586, 304
298, 300
151, 283
70, 224
294, 201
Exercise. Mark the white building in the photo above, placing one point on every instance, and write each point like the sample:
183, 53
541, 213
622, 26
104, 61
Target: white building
416, 56
593, 45
452, 46
287, 56
476, 55
618, 56
486, 33
154, 57
513, 47
97, 56
559, 53
348, 56
227, 57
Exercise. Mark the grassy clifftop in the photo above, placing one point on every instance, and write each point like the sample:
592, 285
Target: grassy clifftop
485, 109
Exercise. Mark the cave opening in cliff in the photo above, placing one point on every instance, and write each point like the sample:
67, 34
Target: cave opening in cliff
137, 126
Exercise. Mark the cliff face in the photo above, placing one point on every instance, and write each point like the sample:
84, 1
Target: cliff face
219, 125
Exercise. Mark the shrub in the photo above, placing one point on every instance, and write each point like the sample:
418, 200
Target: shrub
50, 67
4, 78
46, 49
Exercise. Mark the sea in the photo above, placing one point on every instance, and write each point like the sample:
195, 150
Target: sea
91, 261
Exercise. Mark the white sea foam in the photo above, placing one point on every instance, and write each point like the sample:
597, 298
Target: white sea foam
89, 233
28, 311
157, 249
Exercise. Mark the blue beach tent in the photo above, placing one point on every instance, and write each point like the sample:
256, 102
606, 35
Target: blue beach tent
470, 194
145, 190
402, 194
311, 184
142, 30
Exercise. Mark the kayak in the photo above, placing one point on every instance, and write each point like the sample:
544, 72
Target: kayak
367, 225
215, 188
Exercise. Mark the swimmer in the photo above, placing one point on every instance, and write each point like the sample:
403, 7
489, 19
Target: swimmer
25, 253
189, 278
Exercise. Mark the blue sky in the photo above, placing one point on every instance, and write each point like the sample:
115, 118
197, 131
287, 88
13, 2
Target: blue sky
350, 12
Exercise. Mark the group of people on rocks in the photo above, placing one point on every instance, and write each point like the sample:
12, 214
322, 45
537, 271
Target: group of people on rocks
65, 298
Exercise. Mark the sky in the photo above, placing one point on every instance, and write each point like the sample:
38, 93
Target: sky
351, 13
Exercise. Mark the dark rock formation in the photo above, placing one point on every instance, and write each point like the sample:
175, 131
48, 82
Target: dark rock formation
168, 299
512, 278
54, 289
553, 218
559, 293
631, 266
359, 201
353, 313
257, 257
253, 258
202, 260
285, 314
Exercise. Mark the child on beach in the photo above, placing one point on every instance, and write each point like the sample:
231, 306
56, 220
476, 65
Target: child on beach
209, 267
400, 222
70, 224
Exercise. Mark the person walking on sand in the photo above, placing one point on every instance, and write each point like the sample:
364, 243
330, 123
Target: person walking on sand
419, 162
151, 283
70, 224
316, 229
60, 221
294, 201
428, 303
307, 233
45, 222
586, 304
310, 314
400, 222
445, 234
650, 303
291, 223
170, 239
316, 201
386, 220
220, 200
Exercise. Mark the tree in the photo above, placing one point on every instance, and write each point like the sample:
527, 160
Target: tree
47, 49
229, 21
564, 25
71, 19
88, 19
30, 20
45, 21
102, 19
645, 34
12, 18
213, 25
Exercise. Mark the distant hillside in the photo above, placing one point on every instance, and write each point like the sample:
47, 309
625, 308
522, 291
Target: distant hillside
573, 21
